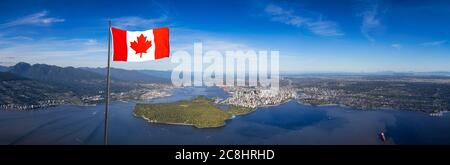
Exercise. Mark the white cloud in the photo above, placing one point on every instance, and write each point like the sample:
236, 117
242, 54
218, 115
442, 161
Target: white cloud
324, 28
40, 18
434, 43
5, 41
184, 39
316, 26
397, 46
63, 52
214, 44
91, 42
279, 14
371, 21
276, 10
131, 22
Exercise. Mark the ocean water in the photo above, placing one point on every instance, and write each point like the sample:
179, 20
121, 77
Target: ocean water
288, 123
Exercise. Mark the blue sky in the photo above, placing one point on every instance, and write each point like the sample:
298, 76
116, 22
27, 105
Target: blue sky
311, 35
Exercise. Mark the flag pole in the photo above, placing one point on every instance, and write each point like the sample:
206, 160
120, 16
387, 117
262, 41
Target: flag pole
105, 131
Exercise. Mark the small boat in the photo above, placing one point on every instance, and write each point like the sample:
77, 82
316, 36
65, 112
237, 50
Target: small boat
437, 114
382, 137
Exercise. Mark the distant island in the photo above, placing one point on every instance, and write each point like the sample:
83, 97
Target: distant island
199, 112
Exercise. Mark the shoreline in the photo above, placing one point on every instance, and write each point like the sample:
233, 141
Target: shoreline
433, 114
180, 124
39, 107
369, 109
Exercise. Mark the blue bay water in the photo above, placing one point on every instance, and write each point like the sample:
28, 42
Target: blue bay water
288, 123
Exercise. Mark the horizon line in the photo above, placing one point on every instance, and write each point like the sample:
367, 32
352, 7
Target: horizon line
284, 72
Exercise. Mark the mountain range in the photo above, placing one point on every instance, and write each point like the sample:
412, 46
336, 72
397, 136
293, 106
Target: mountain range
15, 89
24, 83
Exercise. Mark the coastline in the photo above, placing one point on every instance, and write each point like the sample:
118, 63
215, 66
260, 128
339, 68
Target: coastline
434, 114
181, 124
91, 104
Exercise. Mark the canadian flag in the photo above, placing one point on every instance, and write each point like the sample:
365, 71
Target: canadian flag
138, 46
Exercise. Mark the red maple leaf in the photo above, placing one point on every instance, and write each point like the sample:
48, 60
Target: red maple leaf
141, 45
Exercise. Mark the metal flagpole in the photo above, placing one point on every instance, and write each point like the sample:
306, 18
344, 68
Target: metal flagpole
105, 131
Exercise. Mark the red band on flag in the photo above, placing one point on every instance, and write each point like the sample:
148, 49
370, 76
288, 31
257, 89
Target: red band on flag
120, 44
161, 39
